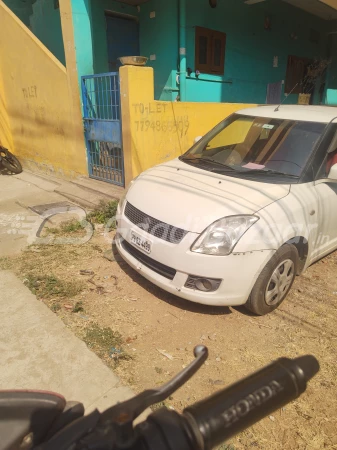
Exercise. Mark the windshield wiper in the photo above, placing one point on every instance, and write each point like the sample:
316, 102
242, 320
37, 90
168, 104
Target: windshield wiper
225, 168
210, 160
218, 163
269, 172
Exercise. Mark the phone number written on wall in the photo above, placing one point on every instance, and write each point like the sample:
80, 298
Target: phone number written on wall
180, 124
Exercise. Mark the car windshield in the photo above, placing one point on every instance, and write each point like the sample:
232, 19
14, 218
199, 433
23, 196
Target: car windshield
257, 146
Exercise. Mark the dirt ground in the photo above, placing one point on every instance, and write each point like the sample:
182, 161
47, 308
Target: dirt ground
151, 321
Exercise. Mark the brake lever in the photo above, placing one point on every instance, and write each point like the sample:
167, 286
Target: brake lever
122, 415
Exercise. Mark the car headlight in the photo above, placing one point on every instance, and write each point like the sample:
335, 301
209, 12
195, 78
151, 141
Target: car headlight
221, 237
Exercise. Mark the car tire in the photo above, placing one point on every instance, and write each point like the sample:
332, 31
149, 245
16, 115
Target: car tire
11, 163
274, 282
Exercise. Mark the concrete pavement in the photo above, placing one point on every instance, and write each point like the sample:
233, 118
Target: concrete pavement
20, 194
17, 220
37, 350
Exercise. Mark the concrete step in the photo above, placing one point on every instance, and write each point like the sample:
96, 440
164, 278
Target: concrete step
84, 191
107, 189
80, 196
39, 181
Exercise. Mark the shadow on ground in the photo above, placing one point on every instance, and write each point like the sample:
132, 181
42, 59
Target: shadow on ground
4, 171
169, 298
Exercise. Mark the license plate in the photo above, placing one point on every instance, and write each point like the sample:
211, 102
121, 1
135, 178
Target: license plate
139, 241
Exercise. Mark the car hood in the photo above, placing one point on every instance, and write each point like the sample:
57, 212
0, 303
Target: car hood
191, 198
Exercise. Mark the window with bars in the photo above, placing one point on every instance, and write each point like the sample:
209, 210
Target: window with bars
210, 49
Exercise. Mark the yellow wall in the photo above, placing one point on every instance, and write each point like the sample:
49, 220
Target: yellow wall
155, 131
5, 130
36, 97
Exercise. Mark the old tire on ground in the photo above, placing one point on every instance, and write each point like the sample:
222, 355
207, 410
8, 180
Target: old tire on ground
11, 163
274, 282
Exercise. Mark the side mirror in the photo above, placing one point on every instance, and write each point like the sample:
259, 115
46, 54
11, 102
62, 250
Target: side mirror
197, 139
333, 173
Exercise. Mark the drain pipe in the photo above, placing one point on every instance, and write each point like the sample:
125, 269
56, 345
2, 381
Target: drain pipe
182, 49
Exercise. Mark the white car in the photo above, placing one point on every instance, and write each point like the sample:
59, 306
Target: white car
251, 205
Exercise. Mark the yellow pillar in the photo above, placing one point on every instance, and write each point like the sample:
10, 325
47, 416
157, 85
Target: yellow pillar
136, 87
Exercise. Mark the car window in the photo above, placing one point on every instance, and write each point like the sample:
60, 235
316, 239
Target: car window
235, 133
327, 155
292, 153
246, 142
329, 160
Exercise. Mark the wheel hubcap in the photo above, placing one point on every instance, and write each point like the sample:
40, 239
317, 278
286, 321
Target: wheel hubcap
280, 282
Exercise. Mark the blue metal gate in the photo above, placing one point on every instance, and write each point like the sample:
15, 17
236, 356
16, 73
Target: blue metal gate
102, 125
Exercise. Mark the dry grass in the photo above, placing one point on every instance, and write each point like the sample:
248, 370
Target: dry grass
106, 343
53, 274
141, 319
78, 307
50, 286
105, 213
67, 227
6, 263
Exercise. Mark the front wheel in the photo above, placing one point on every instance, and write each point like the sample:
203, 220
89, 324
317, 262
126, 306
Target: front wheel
274, 282
11, 163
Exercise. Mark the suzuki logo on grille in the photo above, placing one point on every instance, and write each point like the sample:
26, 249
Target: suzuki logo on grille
146, 224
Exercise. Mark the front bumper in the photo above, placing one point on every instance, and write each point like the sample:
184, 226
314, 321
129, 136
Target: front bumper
238, 272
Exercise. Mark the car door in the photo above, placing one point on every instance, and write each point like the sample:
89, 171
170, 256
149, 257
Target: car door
326, 191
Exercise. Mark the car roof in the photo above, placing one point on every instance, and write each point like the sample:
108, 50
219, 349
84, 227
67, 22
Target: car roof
306, 113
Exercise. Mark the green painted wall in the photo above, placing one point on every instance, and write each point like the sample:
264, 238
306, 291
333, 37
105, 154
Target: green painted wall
22, 9
100, 51
250, 48
332, 72
82, 22
43, 20
249, 52
331, 84
45, 23
166, 49
159, 36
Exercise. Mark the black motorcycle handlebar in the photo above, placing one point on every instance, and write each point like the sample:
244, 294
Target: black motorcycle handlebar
241, 405
53, 425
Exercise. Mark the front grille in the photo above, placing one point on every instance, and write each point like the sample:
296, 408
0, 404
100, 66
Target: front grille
156, 266
153, 226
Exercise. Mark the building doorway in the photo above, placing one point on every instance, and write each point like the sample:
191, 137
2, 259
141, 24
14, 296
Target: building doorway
122, 38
